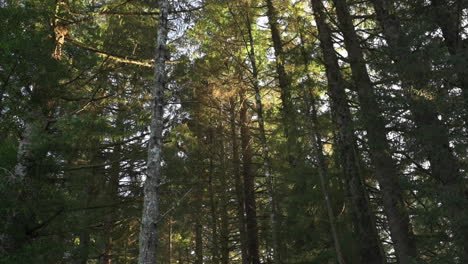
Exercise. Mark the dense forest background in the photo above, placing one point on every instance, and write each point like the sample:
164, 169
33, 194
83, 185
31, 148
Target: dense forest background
233, 131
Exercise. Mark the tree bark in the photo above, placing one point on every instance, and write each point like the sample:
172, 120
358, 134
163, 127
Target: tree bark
284, 82
385, 166
198, 241
113, 195
432, 135
22, 174
224, 230
25, 156
249, 183
370, 249
148, 234
213, 204
239, 184
317, 147
270, 182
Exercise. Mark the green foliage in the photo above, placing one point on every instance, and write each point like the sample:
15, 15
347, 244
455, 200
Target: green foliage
81, 198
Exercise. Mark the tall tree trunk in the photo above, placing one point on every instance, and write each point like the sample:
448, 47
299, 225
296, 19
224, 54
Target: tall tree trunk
213, 204
148, 234
224, 230
385, 166
270, 182
113, 195
284, 82
370, 249
432, 135
239, 184
89, 194
317, 146
249, 183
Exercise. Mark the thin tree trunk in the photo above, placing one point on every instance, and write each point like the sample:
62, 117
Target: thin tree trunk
323, 175
199, 168
284, 82
213, 206
239, 184
113, 194
198, 241
224, 230
148, 234
385, 166
265, 151
249, 184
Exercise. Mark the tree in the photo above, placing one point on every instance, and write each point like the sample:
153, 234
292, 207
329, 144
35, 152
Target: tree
151, 214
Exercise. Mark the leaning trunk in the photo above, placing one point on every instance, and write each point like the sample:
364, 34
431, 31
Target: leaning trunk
370, 250
432, 135
284, 82
385, 166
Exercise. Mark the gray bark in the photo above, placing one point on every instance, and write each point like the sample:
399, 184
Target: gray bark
24, 155
20, 174
148, 234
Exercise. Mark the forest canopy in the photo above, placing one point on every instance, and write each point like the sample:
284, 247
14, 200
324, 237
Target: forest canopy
234, 131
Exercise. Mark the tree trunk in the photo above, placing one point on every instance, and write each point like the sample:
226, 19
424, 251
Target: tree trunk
213, 205
198, 242
284, 82
25, 156
21, 175
224, 230
270, 182
148, 234
113, 195
385, 166
432, 135
370, 249
249, 184
239, 184
323, 175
